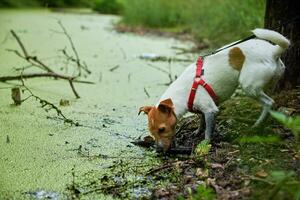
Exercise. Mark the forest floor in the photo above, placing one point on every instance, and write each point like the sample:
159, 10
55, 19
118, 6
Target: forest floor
242, 162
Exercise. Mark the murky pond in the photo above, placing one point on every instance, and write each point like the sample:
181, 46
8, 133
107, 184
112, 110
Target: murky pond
38, 154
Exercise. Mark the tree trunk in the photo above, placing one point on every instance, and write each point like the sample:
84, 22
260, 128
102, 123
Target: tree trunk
284, 16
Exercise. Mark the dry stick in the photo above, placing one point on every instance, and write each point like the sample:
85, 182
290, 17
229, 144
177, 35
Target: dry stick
129, 77
159, 168
158, 68
20, 43
23, 68
5, 38
73, 89
52, 106
77, 60
146, 92
45, 103
33, 60
114, 68
169, 73
26, 55
38, 75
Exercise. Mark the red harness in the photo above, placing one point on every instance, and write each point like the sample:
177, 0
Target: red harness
199, 81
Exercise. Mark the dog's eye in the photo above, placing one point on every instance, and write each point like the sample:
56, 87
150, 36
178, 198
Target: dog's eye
161, 130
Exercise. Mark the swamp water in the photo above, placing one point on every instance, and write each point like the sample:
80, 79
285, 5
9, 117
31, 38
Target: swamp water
40, 155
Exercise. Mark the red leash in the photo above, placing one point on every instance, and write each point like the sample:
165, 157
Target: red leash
199, 81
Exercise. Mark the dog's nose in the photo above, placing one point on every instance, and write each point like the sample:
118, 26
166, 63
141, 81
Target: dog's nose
159, 146
159, 149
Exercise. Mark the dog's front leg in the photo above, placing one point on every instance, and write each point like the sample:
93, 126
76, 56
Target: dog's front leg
210, 122
267, 103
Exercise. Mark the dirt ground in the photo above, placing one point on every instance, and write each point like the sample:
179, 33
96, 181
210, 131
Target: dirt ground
239, 165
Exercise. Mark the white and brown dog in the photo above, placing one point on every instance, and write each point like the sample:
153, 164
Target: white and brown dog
254, 64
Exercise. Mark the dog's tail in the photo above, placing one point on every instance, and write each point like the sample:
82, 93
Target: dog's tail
281, 42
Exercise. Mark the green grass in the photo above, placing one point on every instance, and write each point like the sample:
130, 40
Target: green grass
218, 21
108, 6
153, 13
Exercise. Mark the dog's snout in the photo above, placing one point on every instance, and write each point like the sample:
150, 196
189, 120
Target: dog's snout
159, 146
161, 129
159, 149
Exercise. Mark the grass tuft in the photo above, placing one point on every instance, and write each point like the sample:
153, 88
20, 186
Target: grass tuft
218, 21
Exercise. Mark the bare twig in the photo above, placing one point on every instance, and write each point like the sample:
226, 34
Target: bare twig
114, 68
129, 77
35, 61
160, 168
157, 68
5, 38
39, 75
49, 106
146, 92
169, 72
73, 89
46, 104
77, 59
20, 43
31, 59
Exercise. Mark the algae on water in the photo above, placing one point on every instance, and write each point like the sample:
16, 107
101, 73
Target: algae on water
38, 152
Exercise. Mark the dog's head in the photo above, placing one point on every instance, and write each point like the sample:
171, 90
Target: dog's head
161, 123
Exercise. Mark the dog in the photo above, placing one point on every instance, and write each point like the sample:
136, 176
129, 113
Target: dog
254, 64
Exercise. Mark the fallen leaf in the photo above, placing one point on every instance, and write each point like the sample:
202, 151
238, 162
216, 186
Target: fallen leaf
262, 174
202, 172
217, 165
161, 193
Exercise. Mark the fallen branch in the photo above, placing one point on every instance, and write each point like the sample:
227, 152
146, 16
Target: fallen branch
35, 61
49, 106
39, 75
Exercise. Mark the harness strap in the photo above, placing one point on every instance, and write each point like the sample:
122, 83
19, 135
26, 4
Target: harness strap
199, 81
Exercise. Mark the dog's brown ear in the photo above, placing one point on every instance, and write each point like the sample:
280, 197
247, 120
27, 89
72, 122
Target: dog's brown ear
166, 106
145, 109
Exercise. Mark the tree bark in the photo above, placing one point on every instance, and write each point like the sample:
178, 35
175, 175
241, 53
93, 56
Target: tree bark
284, 17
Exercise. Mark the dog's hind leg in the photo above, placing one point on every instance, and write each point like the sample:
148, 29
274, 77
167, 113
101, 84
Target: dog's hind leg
267, 103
